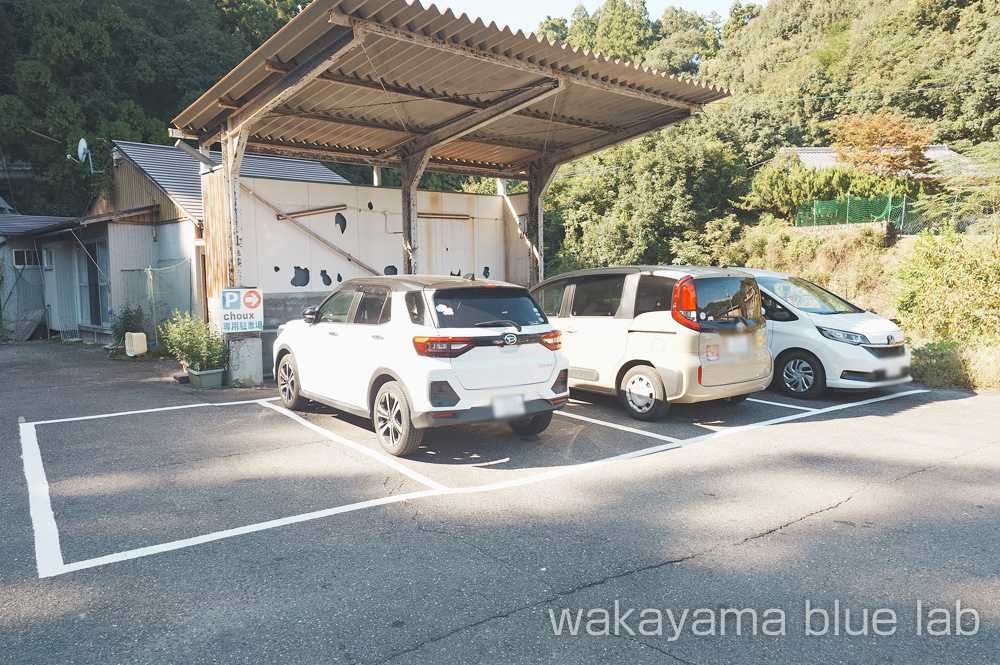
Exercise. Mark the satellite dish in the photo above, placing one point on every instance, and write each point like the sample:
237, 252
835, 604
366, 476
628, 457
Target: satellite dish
83, 155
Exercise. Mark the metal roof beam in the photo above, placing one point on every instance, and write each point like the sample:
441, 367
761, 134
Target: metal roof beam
385, 86
604, 142
289, 150
478, 119
337, 119
290, 83
382, 30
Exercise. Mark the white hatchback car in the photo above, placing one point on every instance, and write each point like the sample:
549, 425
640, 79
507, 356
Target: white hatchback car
419, 351
819, 340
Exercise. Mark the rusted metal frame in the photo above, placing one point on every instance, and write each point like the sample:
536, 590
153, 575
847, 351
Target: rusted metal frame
385, 86
319, 153
538, 183
604, 142
475, 120
305, 229
290, 83
234, 144
336, 18
411, 167
337, 119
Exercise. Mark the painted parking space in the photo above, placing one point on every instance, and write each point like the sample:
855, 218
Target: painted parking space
111, 487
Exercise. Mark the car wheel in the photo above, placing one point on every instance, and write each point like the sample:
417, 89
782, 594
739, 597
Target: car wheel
288, 384
735, 399
800, 374
393, 425
641, 393
531, 425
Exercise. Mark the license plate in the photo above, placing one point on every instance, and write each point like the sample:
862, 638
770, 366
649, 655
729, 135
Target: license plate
740, 344
508, 406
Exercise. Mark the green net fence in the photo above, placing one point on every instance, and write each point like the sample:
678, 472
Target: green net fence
899, 210
158, 290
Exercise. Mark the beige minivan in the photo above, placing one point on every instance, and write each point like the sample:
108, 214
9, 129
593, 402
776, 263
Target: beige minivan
660, 334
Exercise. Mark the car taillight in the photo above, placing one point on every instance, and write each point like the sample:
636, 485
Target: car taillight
442, 347
552, 340
685, 304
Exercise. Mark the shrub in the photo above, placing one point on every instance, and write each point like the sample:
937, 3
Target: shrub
957, 365
128, 320
194, 343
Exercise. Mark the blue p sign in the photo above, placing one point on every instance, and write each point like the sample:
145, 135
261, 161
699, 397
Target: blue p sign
230, 299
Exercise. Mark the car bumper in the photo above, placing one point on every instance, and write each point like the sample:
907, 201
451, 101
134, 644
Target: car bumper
445, 417
855, 368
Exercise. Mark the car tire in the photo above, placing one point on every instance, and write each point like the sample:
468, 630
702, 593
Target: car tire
735, 399
642, 394
288, 384
531, 425
393, 423
800, 374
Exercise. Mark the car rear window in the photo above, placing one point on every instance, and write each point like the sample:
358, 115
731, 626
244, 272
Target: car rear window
466, 307
727, 301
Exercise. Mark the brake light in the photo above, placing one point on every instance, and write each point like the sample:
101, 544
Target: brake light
685, 304
442, 347
552, 340
699, 375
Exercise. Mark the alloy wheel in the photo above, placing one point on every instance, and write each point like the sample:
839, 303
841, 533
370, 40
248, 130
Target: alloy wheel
798, 375
389, 419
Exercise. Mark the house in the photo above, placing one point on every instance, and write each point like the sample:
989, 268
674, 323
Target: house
23, 266
938, 156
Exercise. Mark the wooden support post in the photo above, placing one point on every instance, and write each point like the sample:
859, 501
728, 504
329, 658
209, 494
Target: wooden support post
377, 176
411, 168
233, 147
538, 183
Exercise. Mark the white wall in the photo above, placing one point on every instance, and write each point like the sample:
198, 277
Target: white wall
373, 234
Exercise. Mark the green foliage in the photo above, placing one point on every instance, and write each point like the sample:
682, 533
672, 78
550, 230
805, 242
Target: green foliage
618, 29
194, 343
128, 319
939, 365
949, 287
554, 29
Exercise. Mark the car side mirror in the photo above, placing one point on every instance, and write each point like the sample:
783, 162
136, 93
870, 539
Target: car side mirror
309, 315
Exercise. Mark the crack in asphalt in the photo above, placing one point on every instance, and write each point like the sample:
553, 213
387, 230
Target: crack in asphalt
557, 595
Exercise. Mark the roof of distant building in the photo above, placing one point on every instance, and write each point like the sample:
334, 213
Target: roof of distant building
15, 225
179, 174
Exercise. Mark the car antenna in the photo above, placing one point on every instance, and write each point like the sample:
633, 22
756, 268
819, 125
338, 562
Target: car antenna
470, 276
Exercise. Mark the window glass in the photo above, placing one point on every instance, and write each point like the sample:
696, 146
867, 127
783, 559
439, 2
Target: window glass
476, 307
371, 307
727, 301
807, 296
415, 307
26, 257
337, 307
774, 310
598, 296
550, 297
654, 294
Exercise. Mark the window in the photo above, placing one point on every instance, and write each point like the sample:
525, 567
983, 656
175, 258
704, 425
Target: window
598, 296
807, 296
477, 307
336, 309
415, 307
654, 294
774, 310
92, 269
727, 301
373, 308
550, 297
26, 258
47, 261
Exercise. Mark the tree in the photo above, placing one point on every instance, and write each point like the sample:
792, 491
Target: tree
554, 29
883, 143
619, 29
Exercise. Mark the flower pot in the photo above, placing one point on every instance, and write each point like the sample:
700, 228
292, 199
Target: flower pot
208, 378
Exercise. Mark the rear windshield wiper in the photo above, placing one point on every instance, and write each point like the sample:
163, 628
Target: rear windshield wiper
498, 322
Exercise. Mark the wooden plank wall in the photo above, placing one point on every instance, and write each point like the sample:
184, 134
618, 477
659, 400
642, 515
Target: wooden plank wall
215, 234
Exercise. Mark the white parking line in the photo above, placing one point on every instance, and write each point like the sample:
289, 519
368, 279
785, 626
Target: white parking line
364, 450
49, 556
162, 408
787, 406
623, 428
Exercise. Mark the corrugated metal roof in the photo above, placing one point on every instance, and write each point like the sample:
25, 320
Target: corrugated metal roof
13, 225
433, 69
179, 175
825, 157
5, 207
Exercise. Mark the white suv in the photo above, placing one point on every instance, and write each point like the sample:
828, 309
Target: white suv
419, 351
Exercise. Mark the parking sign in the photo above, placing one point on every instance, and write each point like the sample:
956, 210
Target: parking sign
242, 310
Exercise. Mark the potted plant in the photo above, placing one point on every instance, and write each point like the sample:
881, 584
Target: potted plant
199, 347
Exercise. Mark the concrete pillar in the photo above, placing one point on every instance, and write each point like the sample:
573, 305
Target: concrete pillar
377, 176
501, 187
538, 184
411, 168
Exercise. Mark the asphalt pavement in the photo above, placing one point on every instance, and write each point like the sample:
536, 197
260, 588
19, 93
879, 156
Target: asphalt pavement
147, 522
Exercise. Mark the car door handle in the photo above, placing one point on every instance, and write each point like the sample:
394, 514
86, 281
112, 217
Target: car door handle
332, 333
378, 337
570, 330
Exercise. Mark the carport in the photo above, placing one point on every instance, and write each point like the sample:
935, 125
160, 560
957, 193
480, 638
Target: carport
386, 83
